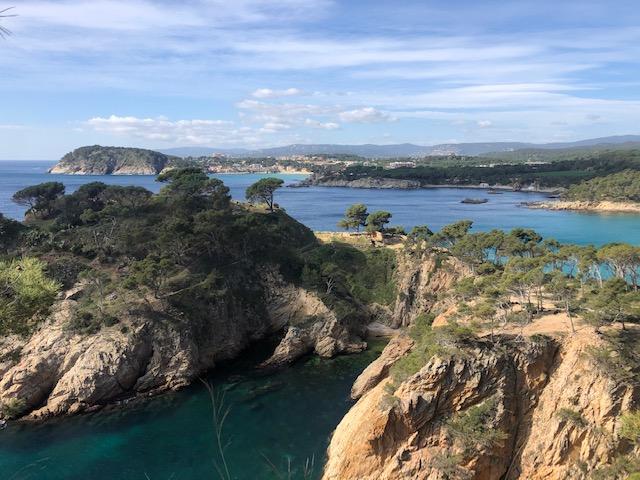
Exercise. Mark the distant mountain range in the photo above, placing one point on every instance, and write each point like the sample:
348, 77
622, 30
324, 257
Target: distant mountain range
406, 149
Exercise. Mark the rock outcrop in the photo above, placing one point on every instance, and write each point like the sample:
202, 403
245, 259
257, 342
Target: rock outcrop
378, 370
97, 160
154, 348
555, 411
420, 281
603, 206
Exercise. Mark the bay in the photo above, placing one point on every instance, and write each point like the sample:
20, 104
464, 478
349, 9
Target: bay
320, 208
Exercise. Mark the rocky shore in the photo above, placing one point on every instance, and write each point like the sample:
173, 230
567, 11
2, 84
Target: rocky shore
405, 184
587, 206
56, 371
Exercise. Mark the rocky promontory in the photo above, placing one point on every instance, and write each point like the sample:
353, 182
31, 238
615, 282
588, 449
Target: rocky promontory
555, 412
365, 182
604, 206
98, 160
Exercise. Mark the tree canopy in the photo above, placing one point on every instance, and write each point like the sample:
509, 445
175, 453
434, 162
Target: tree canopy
355, 217
377, 220
263, 191
39, 198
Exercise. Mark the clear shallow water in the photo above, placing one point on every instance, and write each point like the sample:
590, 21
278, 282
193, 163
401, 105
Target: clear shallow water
289, 414
320, 208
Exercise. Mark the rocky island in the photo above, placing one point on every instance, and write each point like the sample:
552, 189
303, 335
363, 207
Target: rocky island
98, 160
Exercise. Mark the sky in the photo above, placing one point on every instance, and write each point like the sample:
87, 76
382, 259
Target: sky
258, 73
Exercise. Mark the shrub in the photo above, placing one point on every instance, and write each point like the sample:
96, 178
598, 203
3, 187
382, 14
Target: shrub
473, 429
12, 408
429, 342
630, 426
26, 293
572, 417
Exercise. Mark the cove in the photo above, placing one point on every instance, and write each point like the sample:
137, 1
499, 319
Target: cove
275, 418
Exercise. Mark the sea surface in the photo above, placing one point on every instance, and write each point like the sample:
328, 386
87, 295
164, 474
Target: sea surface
276, 420
320, 208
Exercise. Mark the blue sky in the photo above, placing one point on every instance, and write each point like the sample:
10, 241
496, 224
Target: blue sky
256, 73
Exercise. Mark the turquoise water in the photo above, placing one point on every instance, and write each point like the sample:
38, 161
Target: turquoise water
281, 417
320, 208
284, 417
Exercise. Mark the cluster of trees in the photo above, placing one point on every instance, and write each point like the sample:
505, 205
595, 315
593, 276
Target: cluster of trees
357, 217
619, 187
189, 246
601, 283
555, 174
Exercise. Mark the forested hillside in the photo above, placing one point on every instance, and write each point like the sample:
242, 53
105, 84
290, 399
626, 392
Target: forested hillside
619, 187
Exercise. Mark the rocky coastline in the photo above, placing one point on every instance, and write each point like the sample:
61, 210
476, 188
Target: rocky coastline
604, 206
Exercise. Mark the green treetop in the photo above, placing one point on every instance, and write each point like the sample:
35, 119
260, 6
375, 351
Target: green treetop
355, 217
263, 190
377, 220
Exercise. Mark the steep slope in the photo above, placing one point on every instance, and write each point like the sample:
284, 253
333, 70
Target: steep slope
152, 348
556, 414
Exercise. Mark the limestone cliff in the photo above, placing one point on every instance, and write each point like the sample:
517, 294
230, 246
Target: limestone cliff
556, 413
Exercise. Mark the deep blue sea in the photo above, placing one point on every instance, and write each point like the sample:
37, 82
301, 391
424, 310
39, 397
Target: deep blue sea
320, 208
280, 418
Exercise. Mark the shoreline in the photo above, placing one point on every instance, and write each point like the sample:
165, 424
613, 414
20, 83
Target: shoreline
406, 184
605, 206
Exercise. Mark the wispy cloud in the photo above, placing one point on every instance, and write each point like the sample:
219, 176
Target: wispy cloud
278, 70
270, 93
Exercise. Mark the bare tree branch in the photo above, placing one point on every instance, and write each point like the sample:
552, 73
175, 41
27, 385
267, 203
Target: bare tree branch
4, 31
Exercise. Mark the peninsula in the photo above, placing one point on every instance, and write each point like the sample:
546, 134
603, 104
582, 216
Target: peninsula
617, 193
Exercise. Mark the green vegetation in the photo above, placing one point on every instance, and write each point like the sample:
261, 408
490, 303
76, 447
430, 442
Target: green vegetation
12, 408
342, 271
571, 416
25, 294
563, 173
355, 217
39, 198
619, 187
263, 191
100, 160
472, 429
376, 221
428, 342
189, 247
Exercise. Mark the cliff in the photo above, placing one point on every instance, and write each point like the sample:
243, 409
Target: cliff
535, 409
97, 160
153, 348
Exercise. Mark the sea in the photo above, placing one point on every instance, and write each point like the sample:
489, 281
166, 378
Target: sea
277, 423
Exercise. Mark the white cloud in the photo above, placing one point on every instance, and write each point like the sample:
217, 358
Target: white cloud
191, 132
323, 125
269, 93
484, 123
365, 115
